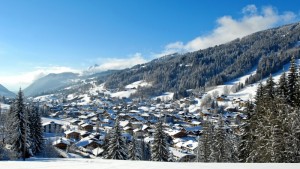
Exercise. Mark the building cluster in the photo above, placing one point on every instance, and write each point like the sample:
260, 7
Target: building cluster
86, 125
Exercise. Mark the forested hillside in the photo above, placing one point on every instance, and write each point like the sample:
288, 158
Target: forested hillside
269, 50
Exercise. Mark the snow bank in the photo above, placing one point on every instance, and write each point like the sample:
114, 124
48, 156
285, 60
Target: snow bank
136, 84
165, 97
4, 106
79, 163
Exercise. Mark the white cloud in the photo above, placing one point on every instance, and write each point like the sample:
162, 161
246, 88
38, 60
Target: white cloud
14, 82
117, 63
229, 29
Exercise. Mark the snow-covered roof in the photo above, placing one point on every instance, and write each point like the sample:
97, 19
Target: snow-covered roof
62, 140
97, 151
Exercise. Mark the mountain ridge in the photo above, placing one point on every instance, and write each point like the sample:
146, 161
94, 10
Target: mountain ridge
5, 92
269, 50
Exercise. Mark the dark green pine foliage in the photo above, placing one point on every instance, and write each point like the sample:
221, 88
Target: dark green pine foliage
270, 88
116, 146
203, 150
134, 150
219, 148
298, 89
160, 149
282, 89
277, 140
292, 136
36, 130
19, 130
292, 84
145, 149
246, 137
259, 94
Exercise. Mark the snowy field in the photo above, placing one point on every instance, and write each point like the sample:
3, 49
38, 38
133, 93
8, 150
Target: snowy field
114, 164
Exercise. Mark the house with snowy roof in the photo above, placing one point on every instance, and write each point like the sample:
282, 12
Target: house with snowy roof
52, 127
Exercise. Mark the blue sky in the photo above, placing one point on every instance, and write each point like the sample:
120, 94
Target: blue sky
43, 36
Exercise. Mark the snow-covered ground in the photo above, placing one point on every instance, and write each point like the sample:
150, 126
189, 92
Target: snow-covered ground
165, 97
45, 98
79, 163
4, 106
58, 121
136, 84
249, 91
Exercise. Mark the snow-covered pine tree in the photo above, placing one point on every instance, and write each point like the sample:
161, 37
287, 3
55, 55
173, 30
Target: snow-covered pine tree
116, 146
203, 150
292, 83
259, 94
145, 149
298, 89
36, 130
276, 142
20, 130
292, 137
270, 88
282, 89
159, 149
134, 150
219, 149
246, 137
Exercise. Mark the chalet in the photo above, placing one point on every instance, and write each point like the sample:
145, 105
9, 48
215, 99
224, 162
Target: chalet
75, 121
52, 127
61, 143
72, 135
136, 125
90, 143
195, 123
86, 127
176, 133
193, 130
138, 133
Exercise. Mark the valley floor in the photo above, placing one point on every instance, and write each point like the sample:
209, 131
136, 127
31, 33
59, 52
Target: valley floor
120, 164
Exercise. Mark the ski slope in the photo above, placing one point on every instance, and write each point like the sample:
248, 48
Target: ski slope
79, 163
249, 91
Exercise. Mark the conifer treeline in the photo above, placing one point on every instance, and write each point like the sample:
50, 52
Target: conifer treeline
24, 129
272, 130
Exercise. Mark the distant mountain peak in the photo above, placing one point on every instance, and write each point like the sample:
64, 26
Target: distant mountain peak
93, 67
5, 92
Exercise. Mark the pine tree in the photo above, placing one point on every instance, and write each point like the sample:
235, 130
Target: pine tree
116, 145
219, 151
204, 143
246, 138
36, 130
298, 89
259, 94
276, 142
134, 150
282, 89
145, 149
292, 83
292, 137
270, 88
20, 131
159, 150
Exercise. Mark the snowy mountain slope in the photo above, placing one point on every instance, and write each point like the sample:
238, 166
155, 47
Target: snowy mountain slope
50, 82
269, 50
249, 91
79, 163
5, 92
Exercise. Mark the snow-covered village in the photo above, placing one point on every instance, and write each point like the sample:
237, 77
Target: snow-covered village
149, 84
